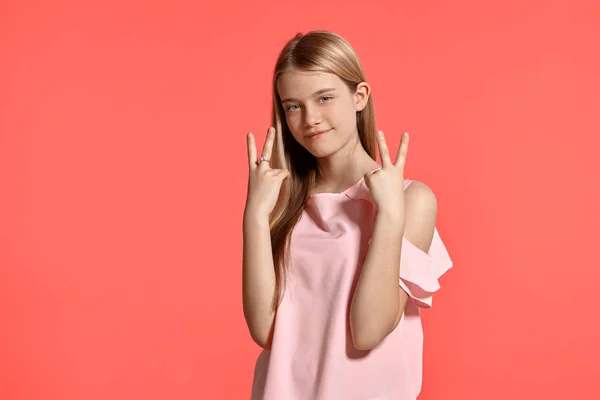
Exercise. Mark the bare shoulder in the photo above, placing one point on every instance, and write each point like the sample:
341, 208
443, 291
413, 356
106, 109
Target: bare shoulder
419, 194
420, 214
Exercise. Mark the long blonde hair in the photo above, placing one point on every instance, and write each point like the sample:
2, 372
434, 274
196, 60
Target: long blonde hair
321, 51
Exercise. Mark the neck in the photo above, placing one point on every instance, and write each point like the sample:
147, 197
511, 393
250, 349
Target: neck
344, 168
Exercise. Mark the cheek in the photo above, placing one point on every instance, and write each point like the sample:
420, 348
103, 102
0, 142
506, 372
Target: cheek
295, 127
345, 120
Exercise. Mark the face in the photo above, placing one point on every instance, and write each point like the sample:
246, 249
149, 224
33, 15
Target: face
320, 101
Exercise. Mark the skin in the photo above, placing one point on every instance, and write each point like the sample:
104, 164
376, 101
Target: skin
378, 301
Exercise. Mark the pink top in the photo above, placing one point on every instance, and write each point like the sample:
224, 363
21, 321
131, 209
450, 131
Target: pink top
312, 356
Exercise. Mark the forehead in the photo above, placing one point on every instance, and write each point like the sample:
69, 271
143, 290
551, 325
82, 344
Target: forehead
302, 84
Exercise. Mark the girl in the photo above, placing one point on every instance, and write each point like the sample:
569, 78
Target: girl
339, 251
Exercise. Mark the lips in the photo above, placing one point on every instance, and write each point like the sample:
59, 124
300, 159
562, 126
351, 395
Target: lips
310, 135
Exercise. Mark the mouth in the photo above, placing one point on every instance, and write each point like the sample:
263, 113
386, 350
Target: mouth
316, 134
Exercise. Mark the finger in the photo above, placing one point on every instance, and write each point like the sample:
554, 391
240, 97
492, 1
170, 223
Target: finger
402, 151
251, 150
384, 153
268, 146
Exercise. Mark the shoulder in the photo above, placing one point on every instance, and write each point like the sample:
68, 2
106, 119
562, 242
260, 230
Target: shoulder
420, 214
420, 196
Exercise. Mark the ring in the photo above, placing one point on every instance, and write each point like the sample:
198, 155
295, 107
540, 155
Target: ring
263, 159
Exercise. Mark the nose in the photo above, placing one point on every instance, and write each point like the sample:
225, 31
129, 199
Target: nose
312, 116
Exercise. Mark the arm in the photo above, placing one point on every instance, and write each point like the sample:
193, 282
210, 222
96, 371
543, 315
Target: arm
258, 279
258, 273
378, 302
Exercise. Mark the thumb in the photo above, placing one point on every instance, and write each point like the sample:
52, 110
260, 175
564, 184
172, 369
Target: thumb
283, 174
368, 175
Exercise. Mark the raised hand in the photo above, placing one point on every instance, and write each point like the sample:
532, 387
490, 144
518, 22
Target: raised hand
387, 183
264, 182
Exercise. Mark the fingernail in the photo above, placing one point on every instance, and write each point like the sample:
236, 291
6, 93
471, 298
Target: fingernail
380, 133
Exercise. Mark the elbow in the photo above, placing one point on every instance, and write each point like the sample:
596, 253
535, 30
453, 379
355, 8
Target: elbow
365, 343
262, 340
368, 339
261, 333
260, 329
371, 337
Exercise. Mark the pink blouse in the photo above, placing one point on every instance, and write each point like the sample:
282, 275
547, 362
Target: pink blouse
312, 356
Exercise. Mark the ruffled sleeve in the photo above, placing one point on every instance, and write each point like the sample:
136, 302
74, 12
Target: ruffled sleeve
420, 271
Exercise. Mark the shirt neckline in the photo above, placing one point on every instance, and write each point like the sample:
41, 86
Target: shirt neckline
343, 193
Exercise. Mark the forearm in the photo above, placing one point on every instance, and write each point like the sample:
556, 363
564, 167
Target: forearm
258, 278
376, 300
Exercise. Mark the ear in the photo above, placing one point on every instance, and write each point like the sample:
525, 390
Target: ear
361, 96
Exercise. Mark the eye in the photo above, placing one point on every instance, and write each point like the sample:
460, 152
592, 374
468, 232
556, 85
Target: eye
295, 105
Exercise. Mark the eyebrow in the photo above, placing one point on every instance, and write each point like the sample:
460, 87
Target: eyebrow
314, 94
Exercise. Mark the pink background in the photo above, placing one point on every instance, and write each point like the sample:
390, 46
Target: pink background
123, 175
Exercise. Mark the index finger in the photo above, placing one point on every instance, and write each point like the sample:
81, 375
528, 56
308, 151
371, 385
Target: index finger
384, 153
251, 150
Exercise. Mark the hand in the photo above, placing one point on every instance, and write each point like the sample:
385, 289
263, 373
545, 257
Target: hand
264, 182
387, 183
